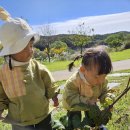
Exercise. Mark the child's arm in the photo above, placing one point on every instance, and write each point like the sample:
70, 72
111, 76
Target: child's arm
49, 83
72, 98
50, 87
105, 94
71, 95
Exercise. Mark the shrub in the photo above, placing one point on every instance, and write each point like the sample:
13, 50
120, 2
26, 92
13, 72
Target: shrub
127, 45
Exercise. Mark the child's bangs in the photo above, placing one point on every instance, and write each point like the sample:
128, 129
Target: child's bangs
104, 64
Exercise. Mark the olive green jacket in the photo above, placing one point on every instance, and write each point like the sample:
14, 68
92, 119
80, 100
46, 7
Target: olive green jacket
25, 92
79, 91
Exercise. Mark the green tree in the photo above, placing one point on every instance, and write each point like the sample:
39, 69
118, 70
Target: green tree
81, 35
39, 55
58, 47
115, 40
47, 30
127, 42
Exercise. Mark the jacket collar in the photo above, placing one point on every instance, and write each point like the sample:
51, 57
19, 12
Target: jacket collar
81, 75
14, 62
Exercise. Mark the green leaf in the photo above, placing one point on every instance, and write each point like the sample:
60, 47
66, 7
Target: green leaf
57, 125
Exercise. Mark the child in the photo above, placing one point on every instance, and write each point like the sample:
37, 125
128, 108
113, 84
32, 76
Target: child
25, 85
87, 86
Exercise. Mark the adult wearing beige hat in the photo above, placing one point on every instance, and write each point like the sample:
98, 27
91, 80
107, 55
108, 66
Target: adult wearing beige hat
25, 85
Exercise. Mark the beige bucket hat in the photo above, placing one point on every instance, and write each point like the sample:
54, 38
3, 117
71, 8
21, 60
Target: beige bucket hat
15, 34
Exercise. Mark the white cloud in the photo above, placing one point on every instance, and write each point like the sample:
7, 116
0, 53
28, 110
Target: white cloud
102, 24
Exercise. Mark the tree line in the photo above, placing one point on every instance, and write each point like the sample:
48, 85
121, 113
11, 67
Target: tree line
58, 44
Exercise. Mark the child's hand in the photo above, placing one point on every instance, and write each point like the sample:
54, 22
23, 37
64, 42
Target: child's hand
55, 99
94, 111
106, 116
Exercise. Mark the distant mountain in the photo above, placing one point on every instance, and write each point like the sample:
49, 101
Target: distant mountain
97, 39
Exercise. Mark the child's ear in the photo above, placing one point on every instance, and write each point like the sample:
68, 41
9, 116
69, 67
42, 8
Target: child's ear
82, 69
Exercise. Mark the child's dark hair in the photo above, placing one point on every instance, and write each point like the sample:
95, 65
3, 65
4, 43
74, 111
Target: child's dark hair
32, 39
95, 56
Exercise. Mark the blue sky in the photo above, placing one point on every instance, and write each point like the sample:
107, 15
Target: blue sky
49, 11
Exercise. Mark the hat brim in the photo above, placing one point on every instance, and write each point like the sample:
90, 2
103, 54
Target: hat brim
19, 45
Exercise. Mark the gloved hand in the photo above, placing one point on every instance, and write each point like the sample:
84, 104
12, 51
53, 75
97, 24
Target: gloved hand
105, 116
94, 111
94, 114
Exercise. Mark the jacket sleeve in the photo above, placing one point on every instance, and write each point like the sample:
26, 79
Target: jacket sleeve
72, 98
3, 99
49, 83
105, 93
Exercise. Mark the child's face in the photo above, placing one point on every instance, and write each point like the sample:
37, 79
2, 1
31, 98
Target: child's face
24, 55
92, 76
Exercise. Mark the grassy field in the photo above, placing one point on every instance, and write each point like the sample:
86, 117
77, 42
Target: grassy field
121, 55
62, 65
121, 111
120, 119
